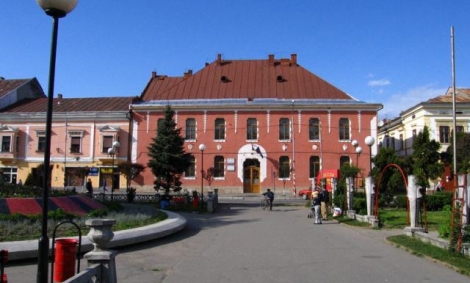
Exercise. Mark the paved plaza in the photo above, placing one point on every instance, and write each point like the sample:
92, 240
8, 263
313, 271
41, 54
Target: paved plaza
243, 243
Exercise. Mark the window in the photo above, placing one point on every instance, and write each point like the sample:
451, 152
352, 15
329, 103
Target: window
190, 172
284, 167
444, 134
107, 143
41, 135
314, 129
413, 136
401, 142
76, 141
219, 133
387, 141
9, 175
344, 160
314, 166
460, 129
344, 129
392, 142
251, 129
219, 166
284, 129
190, 129
6, 143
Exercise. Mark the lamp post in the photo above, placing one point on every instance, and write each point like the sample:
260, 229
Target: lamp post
112, 152
369, 140
56, 9
202, 147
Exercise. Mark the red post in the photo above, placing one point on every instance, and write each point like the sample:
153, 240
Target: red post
65, 258
3, 260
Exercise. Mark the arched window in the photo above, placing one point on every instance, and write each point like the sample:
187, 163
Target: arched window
219, 132
251, 129
284, 129
314, 129
314, 166
344, 132
190, 129
284, 167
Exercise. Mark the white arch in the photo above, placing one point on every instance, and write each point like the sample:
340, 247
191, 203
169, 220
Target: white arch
248, 151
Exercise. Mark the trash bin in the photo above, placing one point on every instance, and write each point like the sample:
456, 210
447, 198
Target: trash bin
65, 258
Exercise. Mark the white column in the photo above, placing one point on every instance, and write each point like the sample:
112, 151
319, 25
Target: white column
370, 196
349, 193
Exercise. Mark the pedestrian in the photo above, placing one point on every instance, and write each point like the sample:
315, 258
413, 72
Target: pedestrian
104, 185
316, 203
89, 187
20, 183
270, 195
324, 200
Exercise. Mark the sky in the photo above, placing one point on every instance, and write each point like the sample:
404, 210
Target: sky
394, 52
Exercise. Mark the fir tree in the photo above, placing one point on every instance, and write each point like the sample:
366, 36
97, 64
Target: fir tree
426, 159
168, 160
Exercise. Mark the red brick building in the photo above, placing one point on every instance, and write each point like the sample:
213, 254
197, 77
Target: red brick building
264, 123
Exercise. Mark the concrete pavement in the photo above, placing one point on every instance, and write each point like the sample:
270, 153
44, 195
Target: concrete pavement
242, 243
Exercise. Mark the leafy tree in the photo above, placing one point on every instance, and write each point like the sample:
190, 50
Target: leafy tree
392, 180
168, 160
463, 156
130, 171
426, 159
209, 175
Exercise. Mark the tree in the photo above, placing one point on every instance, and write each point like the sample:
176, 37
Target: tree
463, 156
130, 171
209, 175
168, 160
426, 159
392, 182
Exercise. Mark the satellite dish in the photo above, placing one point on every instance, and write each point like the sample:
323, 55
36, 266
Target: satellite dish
381, 123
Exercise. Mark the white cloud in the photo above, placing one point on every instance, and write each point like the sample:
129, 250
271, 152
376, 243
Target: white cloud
382, 82
402, 101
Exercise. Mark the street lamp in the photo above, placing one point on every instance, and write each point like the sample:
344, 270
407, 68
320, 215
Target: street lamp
202, 147
56, 9
112, 151
370, 142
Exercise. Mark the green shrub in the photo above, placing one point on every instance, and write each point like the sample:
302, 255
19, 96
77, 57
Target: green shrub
437, 201
445, 229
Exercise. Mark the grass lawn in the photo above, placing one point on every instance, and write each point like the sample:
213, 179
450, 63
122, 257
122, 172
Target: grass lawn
397, 219
419, 248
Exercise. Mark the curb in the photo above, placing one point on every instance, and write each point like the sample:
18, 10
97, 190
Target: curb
29, 249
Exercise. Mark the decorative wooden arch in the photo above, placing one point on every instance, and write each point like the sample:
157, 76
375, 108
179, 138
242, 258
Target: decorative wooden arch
405, 180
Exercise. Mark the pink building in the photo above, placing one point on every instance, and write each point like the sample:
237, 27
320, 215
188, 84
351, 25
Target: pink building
83, 129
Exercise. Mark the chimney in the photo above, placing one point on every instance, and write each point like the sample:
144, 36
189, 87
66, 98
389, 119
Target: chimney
154, 74
271, 59
59, 96
293, 59
219, 59
188, 74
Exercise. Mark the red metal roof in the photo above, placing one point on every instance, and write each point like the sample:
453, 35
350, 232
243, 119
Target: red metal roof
93, 104
7, 86
462, 95
221, 79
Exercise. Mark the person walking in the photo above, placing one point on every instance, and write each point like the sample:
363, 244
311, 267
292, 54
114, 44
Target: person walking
270, 195
89, 187
104, 185
324, 200
316, 203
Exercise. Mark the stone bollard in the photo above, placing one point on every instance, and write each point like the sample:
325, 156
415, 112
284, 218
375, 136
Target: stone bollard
100, 235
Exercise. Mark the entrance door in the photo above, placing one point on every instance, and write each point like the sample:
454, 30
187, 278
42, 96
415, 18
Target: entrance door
251, 179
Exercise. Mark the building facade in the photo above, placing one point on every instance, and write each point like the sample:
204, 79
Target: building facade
83, 129
264, 124
435, 113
